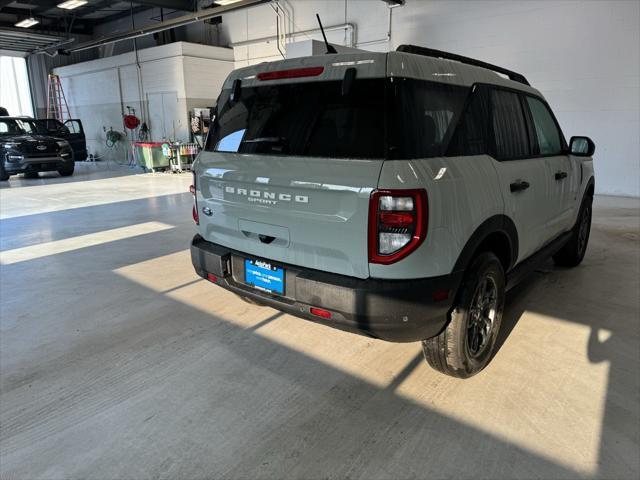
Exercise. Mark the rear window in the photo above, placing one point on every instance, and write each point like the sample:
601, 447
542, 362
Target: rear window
379, 118
309, 119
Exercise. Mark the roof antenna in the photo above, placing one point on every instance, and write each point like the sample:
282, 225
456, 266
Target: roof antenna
330, 48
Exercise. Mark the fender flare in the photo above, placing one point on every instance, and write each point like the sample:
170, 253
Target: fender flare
495, 224
590, 183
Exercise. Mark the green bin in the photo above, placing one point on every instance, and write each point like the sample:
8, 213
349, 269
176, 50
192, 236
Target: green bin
150, 156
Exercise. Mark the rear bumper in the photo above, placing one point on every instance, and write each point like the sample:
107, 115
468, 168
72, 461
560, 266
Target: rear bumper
393, 310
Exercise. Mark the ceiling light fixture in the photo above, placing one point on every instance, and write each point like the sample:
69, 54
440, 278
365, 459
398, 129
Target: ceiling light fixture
71, 4
27, 22
222, 3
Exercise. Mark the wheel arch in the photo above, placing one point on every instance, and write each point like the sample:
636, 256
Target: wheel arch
591, 187
497, 234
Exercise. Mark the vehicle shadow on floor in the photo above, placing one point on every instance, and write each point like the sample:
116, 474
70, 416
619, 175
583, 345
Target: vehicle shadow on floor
175, 390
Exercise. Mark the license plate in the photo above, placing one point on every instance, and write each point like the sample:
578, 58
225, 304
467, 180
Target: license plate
264, 276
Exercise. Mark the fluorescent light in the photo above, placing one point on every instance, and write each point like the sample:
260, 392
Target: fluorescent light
222, 3
71, 4
27, 22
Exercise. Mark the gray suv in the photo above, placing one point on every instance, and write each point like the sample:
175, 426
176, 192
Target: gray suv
396, 195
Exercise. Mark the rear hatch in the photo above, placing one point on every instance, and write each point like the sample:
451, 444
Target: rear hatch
292, 157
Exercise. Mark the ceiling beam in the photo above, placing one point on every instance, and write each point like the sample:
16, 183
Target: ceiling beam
93, 7
185, 5
79, 25
181, 21
44, 5
56, 27
119, 15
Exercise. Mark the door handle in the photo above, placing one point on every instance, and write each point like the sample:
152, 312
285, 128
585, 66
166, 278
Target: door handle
519, 185
561, 175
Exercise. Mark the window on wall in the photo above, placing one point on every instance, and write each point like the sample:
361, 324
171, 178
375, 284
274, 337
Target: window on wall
509, 127
547, 132
15, 96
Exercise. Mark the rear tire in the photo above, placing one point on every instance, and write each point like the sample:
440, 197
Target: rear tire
3, 173
466, 344
67, 170
573, 252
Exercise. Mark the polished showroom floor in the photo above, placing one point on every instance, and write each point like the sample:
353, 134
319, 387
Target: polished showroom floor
117, 361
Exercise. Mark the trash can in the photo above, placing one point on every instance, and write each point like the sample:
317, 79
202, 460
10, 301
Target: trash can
150, 156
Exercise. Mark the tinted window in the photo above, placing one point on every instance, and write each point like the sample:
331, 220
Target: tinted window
306, 119
547, 132
472, 134
48, 126
26, 126
424, 115
10, 127
509, 127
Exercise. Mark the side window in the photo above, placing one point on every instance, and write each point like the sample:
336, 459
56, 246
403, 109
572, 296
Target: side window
424, 115
547, 132
509, 126
73, 126
471, 136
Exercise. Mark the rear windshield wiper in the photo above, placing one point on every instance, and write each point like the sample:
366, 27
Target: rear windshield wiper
274, 144
280, 140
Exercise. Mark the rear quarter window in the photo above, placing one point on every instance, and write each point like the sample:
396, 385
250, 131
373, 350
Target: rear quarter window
509, 126
424, 115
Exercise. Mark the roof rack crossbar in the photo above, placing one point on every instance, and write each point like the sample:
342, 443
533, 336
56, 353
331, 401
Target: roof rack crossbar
430, 52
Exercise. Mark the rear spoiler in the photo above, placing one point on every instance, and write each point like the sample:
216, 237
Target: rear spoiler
430, 52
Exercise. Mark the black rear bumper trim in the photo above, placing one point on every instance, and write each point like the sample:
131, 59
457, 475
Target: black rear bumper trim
393, 310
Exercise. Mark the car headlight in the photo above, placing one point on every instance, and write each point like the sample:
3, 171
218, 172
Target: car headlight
11, 145
63, 143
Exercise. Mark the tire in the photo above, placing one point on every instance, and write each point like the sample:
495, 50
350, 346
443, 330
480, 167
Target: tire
250, 301
3, 173
67, 171
573, 252
461, 350
31, 174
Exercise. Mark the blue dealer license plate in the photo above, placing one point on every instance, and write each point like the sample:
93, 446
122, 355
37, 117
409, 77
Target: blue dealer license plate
264, 276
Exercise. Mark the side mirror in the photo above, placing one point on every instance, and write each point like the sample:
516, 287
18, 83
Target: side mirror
582, 146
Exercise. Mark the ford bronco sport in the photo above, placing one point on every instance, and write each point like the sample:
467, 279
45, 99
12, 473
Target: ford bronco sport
396, 195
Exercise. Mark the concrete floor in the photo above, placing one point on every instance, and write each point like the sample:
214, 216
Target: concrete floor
118, 362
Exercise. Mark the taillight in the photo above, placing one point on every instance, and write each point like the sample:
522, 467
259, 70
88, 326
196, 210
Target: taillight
194, 211
397, 224
194, 214
292, 73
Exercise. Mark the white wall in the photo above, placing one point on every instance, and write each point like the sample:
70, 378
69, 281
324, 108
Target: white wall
99, 91
583, 55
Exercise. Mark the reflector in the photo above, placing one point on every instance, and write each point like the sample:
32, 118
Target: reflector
320, 312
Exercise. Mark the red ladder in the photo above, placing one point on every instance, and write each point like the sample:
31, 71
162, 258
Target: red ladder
56, 101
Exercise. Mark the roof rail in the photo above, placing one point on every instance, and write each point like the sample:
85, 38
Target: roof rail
430, 52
